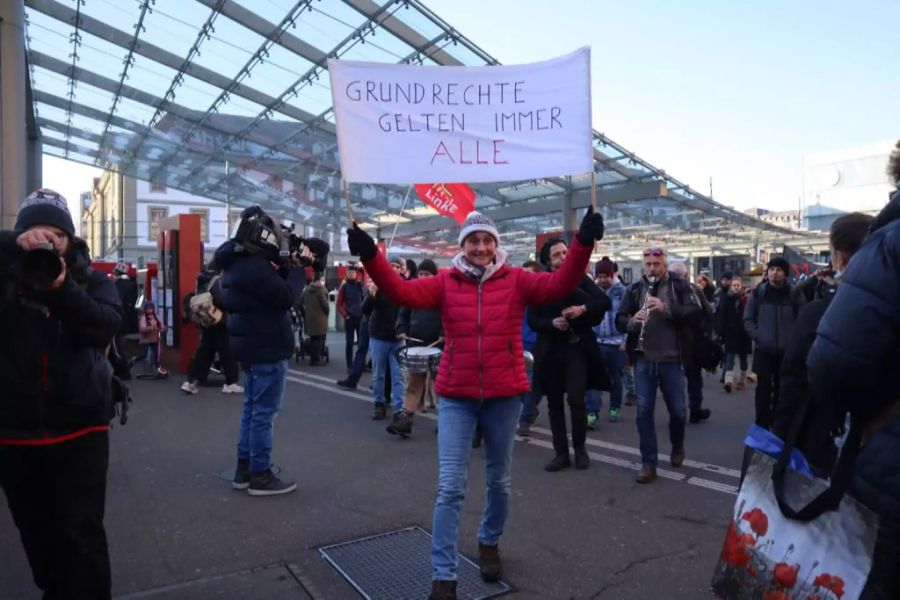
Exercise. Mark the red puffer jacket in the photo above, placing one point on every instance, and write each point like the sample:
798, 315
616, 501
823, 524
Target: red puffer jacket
483, 356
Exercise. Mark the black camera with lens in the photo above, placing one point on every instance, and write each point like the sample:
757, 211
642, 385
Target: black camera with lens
256, 233
40, 266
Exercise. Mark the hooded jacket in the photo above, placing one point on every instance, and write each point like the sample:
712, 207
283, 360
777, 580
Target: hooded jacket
607, 333
854, 362
316, 308
482, 319
53, 368
258, 298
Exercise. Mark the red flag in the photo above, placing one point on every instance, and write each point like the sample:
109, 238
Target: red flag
454, 200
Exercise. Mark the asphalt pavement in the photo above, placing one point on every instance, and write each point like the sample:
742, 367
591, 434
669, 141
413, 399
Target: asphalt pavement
174, 523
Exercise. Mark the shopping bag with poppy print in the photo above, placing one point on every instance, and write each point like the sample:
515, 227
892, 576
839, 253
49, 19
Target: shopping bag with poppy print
767, 556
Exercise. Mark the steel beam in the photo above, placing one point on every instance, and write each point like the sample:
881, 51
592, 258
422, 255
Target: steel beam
402, 31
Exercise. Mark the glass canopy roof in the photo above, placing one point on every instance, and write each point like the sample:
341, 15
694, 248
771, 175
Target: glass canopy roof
230, 99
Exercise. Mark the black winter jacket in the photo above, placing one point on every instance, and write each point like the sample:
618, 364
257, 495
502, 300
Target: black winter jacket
855, 359
54, 374
257, 298
729, 322
770, 314
822, 424
128, 295
540, 319
382, 315
421, 324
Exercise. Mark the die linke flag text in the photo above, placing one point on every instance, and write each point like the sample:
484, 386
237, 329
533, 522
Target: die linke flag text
398, 124
454, 200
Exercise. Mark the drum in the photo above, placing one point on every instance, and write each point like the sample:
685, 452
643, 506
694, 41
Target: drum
419, 359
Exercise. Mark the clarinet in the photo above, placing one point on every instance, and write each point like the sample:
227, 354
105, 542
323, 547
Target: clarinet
650, 289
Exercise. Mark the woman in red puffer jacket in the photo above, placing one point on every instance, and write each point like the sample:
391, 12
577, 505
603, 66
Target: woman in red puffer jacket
482, 371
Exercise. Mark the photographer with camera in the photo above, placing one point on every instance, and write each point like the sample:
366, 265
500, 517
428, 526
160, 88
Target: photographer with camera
263, 276
57, 317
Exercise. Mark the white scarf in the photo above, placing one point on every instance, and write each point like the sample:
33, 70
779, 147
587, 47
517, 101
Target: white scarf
480, 274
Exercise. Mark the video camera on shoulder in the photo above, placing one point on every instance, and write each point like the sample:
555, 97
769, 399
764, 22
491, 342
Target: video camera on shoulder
257, 234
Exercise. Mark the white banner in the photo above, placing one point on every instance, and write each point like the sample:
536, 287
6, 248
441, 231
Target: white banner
406, 124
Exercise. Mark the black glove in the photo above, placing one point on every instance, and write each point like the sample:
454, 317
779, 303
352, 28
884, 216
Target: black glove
591, 229
361, 243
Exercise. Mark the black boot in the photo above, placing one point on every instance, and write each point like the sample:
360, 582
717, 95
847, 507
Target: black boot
489, 563
401, 424
559, 462
241, 479
699, 414
578, 412
379, 413
442, 590
582, 460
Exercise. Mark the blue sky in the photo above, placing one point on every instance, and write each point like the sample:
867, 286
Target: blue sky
737, 91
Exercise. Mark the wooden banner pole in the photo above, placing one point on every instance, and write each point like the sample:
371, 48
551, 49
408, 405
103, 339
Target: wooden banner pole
347, 201
593, 190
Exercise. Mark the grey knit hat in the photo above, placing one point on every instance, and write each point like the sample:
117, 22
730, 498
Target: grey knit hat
45, 207
476, 221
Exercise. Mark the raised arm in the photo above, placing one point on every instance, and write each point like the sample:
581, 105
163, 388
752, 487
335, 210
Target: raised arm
417, 293
544, 288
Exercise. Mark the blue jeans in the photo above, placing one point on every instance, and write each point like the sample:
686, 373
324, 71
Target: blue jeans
382, 354
529, 403
362, 349
668, 376
614, 361
147, 349
497, 418
628, 379
263, 394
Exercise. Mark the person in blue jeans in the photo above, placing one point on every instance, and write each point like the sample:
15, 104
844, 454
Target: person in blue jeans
359, 360
482, 373
383, 344
661, 314
611, 343
258, 291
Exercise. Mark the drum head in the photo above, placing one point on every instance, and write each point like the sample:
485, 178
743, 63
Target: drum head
422, 351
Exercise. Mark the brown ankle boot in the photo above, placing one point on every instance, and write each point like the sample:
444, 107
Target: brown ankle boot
647, 474
442, 590
489, 562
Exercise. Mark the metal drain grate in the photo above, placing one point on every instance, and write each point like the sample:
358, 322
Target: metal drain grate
397, 566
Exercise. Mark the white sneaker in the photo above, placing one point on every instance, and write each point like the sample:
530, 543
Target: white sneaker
232, 388
189, 387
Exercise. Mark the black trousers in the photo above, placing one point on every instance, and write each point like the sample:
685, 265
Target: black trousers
213, 340
351, 333
767, 366
565, 375
316, 348
57, 496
